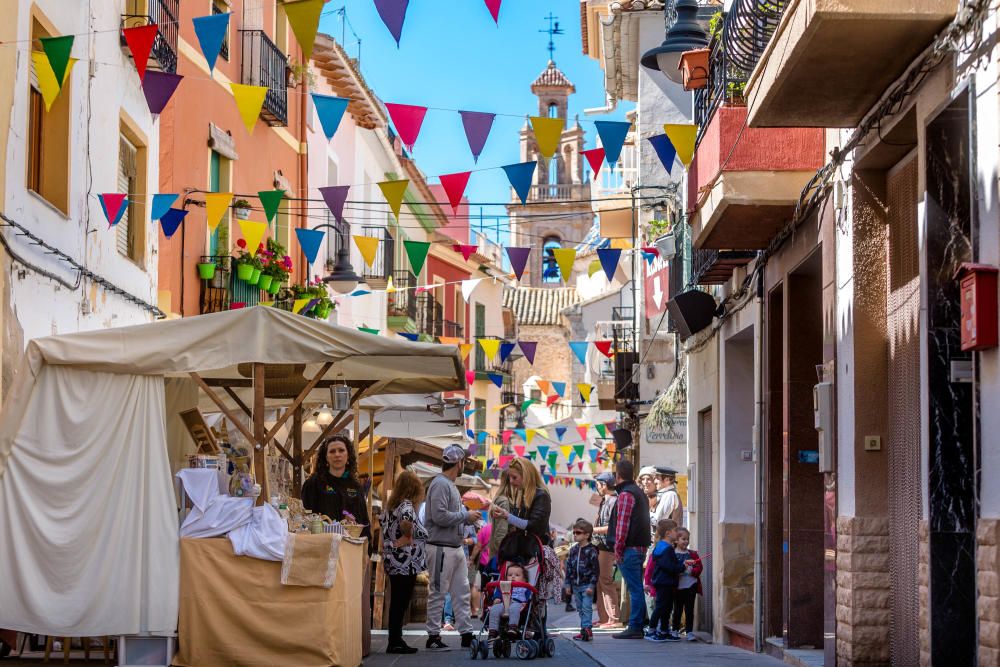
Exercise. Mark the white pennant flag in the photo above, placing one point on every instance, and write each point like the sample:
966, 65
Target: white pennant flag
468, 287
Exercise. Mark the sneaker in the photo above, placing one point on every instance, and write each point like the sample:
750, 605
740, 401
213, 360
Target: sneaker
401, 648
691, 637
589, 634
656, 637
649, 632
585, 635
672, 636
434, 643
466, 639
628, 633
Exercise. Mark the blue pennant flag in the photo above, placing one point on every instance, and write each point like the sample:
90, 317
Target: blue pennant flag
505, 350
521, 433
409, 336
520, 176
612, 133
593, 455
579, 348
171, 220
330, 110
664, 150
309, 240
359, 292
560, 388
471, 434
496, 378
160, 205
211, 32
609, 261
481, 437
649, 257
469, 413
543, 451
560, 432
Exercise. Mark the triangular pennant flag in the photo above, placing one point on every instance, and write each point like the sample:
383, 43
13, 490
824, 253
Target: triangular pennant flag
585, 390
542, 432
335, 196
298, 304
543, 450
582, 430
579, 467
249, 101
579, 348
604, 347
505, 350
528, 348
494, 7
559, 388
309, 241
416, 252
664, 150
390, 288
593, 267
648, 256
114, 205
374, 332
477, 128
612, 133
552, 459
253, 233
593, 457
496, 450
171, 221
518, 259
160, 205
464, 349
411, 336
527, 404
359, 292
565, 450
57, 50
548, 134
490, 346
496, 378
470, 377
211, 32
522, 434
564, 258
506, 435
392, 13
683, 139
609, 258
270, 200
47, 82
602, 430
469, 286
519, 450
393, 192
520, 176
368, 247
532, 455
500, 407
578, 449
330, 111
549, 400
407, 118
454, 187
216, 206
595, 157
469, 413
140, 40
560, 432
303, 17
529, 435
505, 461
158, 88
465, 249
544, 386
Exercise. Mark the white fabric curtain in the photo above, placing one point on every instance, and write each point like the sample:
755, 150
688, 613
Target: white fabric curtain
88, 522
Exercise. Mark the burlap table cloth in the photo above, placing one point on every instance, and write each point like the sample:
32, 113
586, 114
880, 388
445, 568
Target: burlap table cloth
235, 611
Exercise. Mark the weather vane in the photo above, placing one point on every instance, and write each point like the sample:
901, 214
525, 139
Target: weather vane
552, 30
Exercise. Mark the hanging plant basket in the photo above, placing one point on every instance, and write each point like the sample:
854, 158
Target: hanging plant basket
274, 287
242, 209
244, 272
694, 69
255, 276
206, 270
264, 282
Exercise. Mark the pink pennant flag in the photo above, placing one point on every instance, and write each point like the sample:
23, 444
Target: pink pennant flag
466, 250
494, 7
470, 376
506, 435
652, 250
519, 450
579, 466
582, 430
454, 186
407, 119
595, 156
113, 204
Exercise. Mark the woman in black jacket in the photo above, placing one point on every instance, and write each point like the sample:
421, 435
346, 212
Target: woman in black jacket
531, 506
334, 489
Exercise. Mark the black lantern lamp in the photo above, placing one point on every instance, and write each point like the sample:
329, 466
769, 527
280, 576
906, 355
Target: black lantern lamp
686, 34
343, 279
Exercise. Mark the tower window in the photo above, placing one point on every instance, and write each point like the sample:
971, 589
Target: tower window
553, 110
550, 269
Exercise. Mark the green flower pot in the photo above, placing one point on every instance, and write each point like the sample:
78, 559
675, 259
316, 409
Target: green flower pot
255, 277
206, 271
264, 282
244, 272
274, 287
322, 312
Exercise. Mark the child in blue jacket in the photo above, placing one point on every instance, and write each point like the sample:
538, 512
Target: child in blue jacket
665, 572
582, 572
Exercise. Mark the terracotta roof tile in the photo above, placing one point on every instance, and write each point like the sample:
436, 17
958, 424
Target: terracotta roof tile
539, 305
552, 76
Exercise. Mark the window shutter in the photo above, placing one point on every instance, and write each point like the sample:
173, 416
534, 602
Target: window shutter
126, 179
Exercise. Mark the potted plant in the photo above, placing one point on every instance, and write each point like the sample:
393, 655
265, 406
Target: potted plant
694, 68
241, 207
246, 264
276, 264
206, 270
314, 290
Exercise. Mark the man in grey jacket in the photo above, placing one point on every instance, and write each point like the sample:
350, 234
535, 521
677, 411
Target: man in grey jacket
444, 519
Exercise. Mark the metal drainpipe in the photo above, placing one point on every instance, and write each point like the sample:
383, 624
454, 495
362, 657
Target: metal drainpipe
758, 444
303, 166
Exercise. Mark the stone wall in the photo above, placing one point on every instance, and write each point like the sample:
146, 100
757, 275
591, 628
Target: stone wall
736, 592
862, 591
553, 358
988, 583
924, 585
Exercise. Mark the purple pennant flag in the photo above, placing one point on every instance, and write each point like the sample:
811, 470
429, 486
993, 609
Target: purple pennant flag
173, 218
159, 87
477, 128
393, 12
335, 196
518, 259
528, 348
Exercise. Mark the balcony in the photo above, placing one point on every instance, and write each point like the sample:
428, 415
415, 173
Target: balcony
265, 65
225, 289
403, 302
715, 267
559, 192
829, 61
430, 316
377, 275
164, 13
452, 329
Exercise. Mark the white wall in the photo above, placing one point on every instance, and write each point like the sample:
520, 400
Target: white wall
736, 476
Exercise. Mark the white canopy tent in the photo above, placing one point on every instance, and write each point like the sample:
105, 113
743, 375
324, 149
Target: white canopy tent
88, 529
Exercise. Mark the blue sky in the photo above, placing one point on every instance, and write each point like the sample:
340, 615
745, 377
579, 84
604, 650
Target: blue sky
453, 56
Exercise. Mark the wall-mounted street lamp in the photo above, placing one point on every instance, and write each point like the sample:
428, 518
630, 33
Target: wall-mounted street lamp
686, 34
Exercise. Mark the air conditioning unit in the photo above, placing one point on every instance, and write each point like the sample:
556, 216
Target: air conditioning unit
606, 395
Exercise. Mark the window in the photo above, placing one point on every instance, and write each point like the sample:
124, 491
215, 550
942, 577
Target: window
536, 395
222, 7
553, 110
550, 268
48, 136
480, 414
219, 178
554, 170
130, 232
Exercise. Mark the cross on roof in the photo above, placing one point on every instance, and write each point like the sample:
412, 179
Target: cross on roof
552, 30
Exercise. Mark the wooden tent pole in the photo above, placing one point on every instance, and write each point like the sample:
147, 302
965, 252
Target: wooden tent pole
259, 445
388, 480
297, 452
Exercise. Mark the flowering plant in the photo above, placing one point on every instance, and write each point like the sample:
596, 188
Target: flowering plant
276, 262
243, 256
315, 289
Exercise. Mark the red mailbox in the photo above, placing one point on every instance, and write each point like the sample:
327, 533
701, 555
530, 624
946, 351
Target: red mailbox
979, 306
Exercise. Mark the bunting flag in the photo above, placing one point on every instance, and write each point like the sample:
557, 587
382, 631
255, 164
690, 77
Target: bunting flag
527, 404
528, 349
566, 450
496, 450
477, 126
309, 241
249, 101
465, 249
609, 258
409, 336
505, 350
560, 432
593, 457
253, 234
464, 349
529, 435
160, 205
683, 138
582, 430
48, 84
298, 304
578, 449
330, 110
359, 292
374, 332
551, 399
579, 348
393, 192
564, 258
490, 346
559, 388
548, 134
211, 32
390, 288
544, 386
303, 17
216, 206
604, 347
520, 176
519, 450
585, 390
518, 259
335, 196
114, 205
601, 430
469, 286
270, 200
522, 434
454, 187
407, 119
648, 256
506, 435
552, 459
158, 88
543, 450
57, 50
416, 252
392, 13
171, 221
664, 150
470, 377
532, 454
595, 157
593, 267
368, 247
496, 378
494, 7
612, 133
500, 407
140, 40
505, 461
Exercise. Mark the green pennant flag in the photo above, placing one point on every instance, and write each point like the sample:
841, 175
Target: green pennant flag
579, 450
368, 330
57, 49
553, 457
527, 404
270, 200
602, 430
532, 454
416, 251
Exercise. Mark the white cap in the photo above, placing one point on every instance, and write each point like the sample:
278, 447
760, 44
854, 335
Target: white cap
453, 454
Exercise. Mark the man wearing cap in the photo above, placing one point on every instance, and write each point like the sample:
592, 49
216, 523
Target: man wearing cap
607, 593
646, 480
668, 502
445, 519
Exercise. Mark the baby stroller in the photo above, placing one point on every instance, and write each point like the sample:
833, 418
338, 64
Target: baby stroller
525, 637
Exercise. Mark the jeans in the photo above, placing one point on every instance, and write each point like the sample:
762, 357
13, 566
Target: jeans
449, 612
631, 569
660, 619
684, 602
584, 604
400, 592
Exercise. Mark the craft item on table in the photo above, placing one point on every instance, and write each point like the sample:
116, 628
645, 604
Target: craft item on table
241, 483
474, 501
351, 525
204, 461
212, 514
310, 560
263, 536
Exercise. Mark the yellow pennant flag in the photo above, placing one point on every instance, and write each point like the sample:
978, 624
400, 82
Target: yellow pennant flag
585, 390
393, 192
249, 100
464, 349
500, 407
252, 232
566, 450
368, 245
216, 206
682, 137
449, 340
490, 346
529, 435
303, 16
544, 386
542, 432
548, 134
47, 83
496, 450
299, 304
565, 258
594, 267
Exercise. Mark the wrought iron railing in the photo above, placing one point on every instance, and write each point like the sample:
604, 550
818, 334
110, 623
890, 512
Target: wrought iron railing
705, 262
265, 65
483, 364
623, 313
558, 191
403, 302
430, 315
165, 14
225, 288
384, 262
453, 329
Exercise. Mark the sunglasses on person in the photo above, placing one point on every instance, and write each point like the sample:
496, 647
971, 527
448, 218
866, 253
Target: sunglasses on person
579, 532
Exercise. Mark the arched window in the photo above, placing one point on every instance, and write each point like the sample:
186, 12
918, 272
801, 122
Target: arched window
553, 110
550, 269
554, 171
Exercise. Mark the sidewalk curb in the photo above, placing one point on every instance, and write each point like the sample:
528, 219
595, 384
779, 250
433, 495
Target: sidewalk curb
579, 649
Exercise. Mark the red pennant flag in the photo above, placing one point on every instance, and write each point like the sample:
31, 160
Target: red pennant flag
579, 466
113, 204
407, 119
519, 450
466, 250
604, 346
551, 399
470, 376
652, 250
494, 7
140, 42
582, 430
595, 156
454, 187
